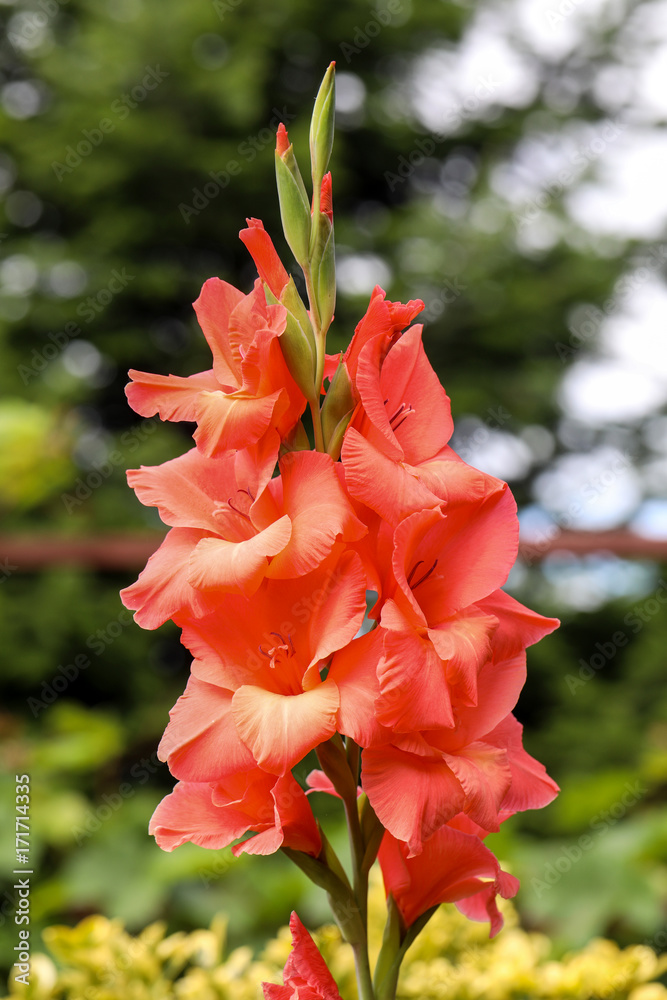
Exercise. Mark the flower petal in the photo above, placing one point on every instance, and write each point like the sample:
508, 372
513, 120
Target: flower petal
173, 397
217, 564
319, 510
280, 730
214, 306
189, 815
414, 693
162, 589
412, 795
200, 742
233, 420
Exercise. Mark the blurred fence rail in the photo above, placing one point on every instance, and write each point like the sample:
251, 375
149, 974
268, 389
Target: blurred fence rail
25, 553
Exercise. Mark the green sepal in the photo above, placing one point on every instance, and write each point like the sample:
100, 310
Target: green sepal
337, 409
341, 900
334, 763
296, 440
372, 831
294, 205
331, 859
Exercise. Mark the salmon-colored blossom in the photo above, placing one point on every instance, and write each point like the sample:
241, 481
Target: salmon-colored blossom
216, 814
256, 690
235, 525
454, 867
249, 389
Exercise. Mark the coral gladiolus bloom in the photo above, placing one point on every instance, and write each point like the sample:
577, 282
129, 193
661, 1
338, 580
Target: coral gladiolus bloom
453, 866
305, 976
234, 525
418, 781
256, 690
382, 319
249, 388
214, 815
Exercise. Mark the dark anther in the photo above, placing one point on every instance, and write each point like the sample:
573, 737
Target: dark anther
404, 411
414, 570
425, 576
264, 653
236, 510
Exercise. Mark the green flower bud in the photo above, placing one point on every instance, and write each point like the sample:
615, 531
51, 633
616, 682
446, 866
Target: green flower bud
294, 203
337, 410
322, 128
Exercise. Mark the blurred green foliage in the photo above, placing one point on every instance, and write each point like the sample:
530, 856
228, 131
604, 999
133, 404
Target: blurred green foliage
125, 113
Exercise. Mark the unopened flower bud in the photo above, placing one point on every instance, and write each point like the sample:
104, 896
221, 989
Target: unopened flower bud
322, 127
294, 203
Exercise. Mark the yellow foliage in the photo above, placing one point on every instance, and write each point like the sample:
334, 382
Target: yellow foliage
452, 959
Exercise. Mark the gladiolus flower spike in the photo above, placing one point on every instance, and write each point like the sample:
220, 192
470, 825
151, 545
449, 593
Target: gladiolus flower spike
273, 544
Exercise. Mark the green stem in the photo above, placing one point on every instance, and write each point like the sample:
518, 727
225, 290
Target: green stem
360, 876
364, 978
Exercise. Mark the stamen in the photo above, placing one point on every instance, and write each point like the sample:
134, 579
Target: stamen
425, 576
398, 411
414, 570
291, 644
404, 411
407, 414
236, 510
264, 652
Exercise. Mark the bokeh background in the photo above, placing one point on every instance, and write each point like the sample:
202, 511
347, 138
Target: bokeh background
505, 161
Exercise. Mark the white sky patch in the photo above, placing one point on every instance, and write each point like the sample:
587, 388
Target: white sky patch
629, 194
359, 273
600, 391
590, 492
650, 521
588, 583
628, 379
451, 85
